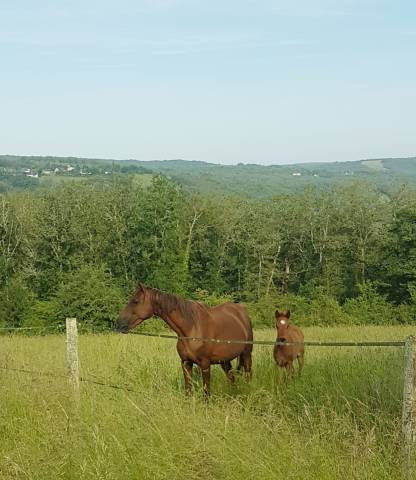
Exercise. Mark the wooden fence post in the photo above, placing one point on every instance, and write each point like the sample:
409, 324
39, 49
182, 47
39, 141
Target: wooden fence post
72, 355
409, 413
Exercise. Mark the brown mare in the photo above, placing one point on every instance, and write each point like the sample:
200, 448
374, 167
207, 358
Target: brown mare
286, 354
194, 319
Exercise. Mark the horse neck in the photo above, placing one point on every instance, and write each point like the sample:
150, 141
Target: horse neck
177, 323
174, 319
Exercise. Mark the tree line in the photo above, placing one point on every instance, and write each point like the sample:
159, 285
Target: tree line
345, 254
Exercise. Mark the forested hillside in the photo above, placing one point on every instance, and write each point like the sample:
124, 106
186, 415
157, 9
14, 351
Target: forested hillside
261, 181
338, 255
256, 181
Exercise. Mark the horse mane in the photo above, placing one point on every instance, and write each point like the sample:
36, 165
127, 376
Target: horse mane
164, 303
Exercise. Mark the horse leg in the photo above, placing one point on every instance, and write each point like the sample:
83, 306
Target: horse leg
245, 363
226, 366
206, 377
187, 374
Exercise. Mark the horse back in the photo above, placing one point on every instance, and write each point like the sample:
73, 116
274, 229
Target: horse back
230, 321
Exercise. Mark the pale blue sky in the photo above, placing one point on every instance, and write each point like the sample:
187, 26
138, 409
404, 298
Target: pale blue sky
224, 81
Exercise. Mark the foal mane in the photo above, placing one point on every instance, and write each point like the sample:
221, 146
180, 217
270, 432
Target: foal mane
164, 303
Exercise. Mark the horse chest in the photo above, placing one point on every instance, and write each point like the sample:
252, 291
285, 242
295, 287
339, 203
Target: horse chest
284, 354
190, 349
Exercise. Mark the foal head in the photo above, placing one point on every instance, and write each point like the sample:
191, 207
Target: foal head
139, 308
282, 322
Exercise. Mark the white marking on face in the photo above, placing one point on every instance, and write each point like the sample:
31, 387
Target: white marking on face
282, 322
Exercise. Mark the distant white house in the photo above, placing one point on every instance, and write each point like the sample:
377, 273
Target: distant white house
69, 168
56, 170
296, 174
46, 172
31, 173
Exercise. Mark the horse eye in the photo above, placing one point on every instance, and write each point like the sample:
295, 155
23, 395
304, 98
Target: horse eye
135, 301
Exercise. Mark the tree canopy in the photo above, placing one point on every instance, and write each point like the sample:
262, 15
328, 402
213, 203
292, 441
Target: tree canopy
332, 255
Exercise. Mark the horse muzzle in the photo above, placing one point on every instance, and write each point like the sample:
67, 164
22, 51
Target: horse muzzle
121, 327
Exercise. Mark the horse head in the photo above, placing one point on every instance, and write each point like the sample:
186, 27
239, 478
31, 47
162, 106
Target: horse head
139, 308
282, 322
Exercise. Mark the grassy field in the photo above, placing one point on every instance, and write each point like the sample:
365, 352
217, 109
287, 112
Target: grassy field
340, 420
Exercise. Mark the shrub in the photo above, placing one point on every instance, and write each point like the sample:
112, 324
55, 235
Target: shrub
323, 310
370, 307
42, 313
405, 313
262, 311
15, 300
90, 295
211, 299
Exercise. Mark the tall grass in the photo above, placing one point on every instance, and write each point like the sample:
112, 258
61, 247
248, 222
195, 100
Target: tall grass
340, 420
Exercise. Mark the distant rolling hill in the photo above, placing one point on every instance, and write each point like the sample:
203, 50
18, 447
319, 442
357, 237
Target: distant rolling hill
249, 180
265, 181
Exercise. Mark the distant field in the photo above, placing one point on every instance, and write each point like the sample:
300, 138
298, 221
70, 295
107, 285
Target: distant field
52, 180
341, 420
374, 165
143, 179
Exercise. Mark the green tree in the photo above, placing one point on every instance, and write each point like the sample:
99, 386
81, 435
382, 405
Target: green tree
15, 300
91, 295
398, 256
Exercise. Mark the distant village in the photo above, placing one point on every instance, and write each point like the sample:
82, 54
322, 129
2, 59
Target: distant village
21, 173
62, 170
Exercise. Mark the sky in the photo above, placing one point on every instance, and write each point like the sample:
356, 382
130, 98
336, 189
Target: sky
223, 81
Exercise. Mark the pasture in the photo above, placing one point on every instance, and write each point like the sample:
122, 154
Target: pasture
340, 420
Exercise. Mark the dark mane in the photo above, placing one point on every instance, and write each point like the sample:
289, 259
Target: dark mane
164, 303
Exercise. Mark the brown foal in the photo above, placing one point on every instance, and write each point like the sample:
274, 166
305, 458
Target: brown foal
284, 355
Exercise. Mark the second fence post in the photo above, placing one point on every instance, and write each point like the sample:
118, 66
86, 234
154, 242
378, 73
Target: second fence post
72, 355
409, 414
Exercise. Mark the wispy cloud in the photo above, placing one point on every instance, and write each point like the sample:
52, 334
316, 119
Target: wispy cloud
223, 47
46, 43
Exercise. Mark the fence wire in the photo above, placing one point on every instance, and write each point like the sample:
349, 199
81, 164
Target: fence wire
102, 382
40, 329
56, 328
275, 342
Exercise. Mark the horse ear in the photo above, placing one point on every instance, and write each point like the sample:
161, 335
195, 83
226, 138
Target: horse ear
288, 313
276, 313
141, 287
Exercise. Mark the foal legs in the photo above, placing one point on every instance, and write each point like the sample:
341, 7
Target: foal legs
187, 374
289, 370
226, 366
300, 362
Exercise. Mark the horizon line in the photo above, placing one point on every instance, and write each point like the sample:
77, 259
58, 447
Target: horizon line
209, 163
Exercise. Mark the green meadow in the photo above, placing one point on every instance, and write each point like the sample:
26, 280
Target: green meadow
341, 419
